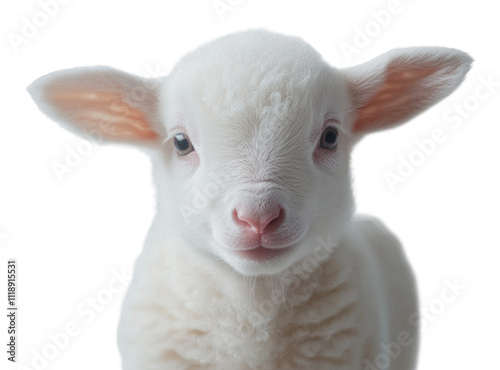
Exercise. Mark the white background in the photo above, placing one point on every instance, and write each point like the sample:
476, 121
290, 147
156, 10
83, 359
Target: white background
69, 236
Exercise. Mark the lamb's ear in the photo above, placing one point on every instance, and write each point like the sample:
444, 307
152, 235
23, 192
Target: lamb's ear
401, 83
101, 101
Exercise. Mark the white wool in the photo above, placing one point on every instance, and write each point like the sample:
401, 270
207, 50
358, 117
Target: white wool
299, 319
254, 175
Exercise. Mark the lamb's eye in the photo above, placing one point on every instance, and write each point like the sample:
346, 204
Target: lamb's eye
330, 138
183, 144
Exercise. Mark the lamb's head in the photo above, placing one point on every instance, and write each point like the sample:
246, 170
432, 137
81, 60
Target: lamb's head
251, 135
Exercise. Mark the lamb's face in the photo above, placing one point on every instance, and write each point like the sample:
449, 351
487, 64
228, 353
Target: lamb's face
257, 152
255, 132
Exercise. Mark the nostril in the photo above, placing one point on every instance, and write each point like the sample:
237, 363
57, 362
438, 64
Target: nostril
274, 221
260, 224
244, 220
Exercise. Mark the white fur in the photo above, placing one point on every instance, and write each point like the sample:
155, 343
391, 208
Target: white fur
254, 105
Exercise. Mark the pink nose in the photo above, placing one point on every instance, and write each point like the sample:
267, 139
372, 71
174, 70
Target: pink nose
260, 223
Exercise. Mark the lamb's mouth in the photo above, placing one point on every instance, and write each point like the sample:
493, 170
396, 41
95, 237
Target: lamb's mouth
261, 253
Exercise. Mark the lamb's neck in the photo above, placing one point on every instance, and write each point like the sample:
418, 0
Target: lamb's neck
225, 313
268, 296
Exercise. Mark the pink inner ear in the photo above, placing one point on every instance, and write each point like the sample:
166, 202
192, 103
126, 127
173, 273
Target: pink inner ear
399, 97
103, 111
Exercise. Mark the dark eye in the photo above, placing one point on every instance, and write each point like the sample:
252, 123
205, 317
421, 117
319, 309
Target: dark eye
183, 144
329, 138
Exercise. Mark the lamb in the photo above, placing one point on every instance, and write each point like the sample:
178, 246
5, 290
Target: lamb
255, 259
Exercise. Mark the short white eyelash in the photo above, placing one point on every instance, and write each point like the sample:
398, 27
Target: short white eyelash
343, 130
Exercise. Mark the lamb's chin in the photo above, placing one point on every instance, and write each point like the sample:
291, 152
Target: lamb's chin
263, 254
261, 260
